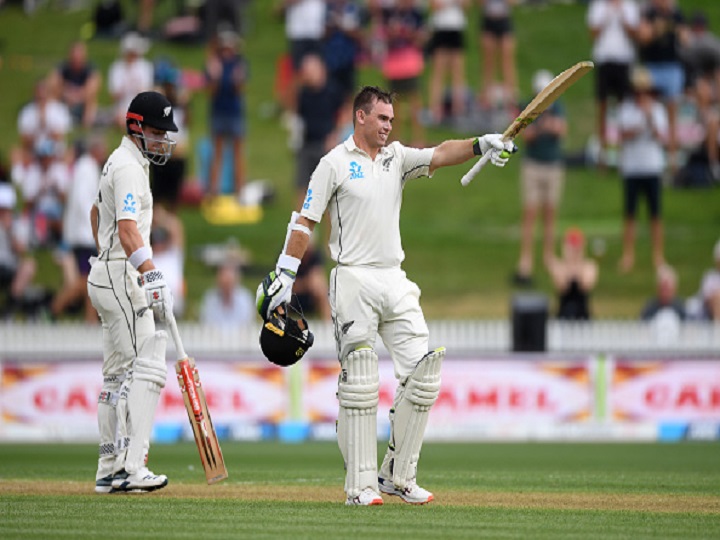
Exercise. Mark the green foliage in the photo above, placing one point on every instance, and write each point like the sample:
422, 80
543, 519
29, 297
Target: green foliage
461, 243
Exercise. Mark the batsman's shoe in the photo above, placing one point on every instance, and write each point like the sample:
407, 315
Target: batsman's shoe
367, 497
412, 493
141, 481
104, 485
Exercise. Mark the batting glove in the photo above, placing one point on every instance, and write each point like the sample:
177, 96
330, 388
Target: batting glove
159, 297
275, 289
499, 150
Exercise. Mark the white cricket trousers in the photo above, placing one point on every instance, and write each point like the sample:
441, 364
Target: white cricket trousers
368, 301
127, 322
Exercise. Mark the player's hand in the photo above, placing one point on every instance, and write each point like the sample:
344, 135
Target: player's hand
498, 149
275, 289
159, 297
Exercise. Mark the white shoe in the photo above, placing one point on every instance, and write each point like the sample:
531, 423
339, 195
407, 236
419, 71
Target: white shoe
412, 493
140, 481
367, 497
104, 484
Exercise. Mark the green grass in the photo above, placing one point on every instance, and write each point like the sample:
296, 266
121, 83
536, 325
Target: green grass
461, 243
576, 474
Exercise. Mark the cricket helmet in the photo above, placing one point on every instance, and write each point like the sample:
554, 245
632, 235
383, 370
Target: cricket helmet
154, 110
284, 340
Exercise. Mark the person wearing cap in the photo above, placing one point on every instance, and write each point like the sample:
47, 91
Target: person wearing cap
129, 74
126, 288
643, 125
574, 276
17, 268
542, 176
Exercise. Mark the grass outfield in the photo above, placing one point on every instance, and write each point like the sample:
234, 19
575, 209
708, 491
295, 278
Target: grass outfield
277, 490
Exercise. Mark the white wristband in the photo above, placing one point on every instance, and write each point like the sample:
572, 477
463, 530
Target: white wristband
139, 256
288, 263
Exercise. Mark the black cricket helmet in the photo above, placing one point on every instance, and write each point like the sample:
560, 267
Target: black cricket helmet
154, 110
284, 340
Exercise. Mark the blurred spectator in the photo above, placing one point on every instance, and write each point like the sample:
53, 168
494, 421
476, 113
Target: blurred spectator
665, 300
17, 268
542, 178
76, 82
77, 232
42, 119
710, 288
343, 42
167, 238
304, 27
228, 304
643, 125
613, 25
108, 19
318, 103
226, 73
403, 65
129, 75
574, 277
497, 39
447, 22
310, 291
661, 34
167, 180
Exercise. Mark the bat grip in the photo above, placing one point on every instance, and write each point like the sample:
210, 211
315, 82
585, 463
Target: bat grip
479, 164
172, 326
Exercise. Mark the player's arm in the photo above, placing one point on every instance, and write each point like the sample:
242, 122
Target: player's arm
455, 152
132, 242
95, 225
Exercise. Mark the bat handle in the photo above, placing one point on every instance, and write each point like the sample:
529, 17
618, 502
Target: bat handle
479, 164
172, 326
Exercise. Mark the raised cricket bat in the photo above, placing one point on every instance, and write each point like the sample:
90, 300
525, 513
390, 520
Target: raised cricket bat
542, 101
198, 414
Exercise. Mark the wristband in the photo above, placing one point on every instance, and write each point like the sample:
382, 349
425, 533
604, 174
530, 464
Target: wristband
476, 147
286, 262
301, 228
139, 256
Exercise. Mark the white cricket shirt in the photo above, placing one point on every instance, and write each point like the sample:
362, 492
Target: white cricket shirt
124, 194
363, 197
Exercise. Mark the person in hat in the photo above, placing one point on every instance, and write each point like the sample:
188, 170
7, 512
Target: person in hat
130, 74
126, 288
643, 125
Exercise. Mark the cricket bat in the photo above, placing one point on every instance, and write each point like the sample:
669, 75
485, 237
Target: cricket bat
542, 101
194, 396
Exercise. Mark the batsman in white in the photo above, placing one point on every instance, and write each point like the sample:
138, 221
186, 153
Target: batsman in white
124, 287
360, 182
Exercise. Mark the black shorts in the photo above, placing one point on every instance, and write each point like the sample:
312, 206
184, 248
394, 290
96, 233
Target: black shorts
634, 187
81, 255
167, 180
404, 86
308, 157
447, 39
612, 79
496, 27
300, 48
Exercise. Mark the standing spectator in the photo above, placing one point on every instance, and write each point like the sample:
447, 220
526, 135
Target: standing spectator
343, 42
17, 268
574, 277
661, 34
76, 82
447, 22
226, 73
613, 25
643, 125
403, 65
167, 238
229, 304
665, 300
77, 232
42, 119
542, 177
129, 75
310, 293
497, 40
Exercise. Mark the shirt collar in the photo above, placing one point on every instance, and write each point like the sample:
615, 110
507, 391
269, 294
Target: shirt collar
352, 147
131, 147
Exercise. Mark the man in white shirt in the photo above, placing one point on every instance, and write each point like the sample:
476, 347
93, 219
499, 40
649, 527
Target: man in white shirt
130, 74
359, 183
124, 286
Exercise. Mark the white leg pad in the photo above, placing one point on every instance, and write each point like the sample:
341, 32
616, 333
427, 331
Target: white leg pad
358, 394
148, 379
415, 397
108, 424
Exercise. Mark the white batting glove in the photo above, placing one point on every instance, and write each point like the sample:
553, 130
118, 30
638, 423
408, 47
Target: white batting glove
159, 297
499, 150
275, 289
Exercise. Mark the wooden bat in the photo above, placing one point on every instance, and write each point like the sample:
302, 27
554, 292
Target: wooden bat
542, 101
198, 414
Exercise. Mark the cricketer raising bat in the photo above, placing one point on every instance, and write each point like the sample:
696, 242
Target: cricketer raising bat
196, 405
542, 101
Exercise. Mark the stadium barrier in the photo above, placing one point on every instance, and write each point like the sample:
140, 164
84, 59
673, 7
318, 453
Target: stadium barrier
606, 380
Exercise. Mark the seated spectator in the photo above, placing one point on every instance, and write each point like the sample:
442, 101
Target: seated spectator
666, 302
76, 82
574, 277
310, 291
129, 75
17, 269
710, 288
228, 304
43, 118
167, 238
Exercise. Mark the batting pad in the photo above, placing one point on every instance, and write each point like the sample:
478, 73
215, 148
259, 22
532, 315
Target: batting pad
414, 401
108, 424
358, 395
